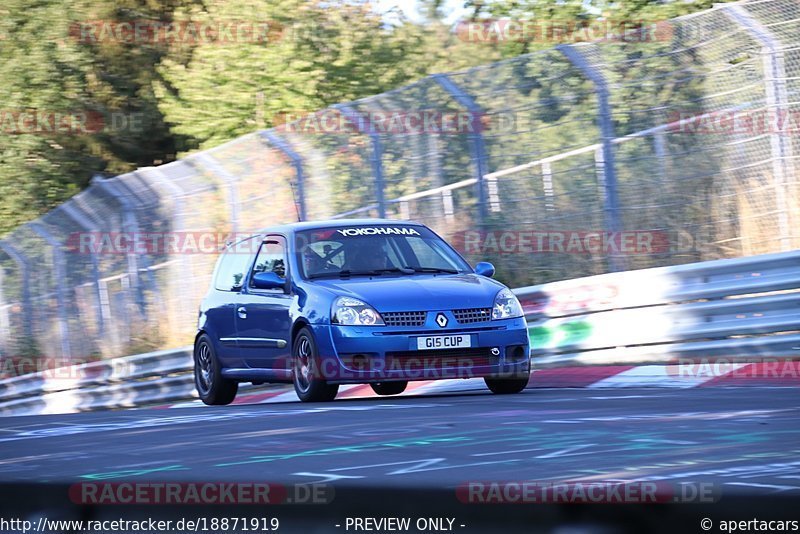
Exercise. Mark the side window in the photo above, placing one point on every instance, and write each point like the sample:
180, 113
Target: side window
271, 258
233, 265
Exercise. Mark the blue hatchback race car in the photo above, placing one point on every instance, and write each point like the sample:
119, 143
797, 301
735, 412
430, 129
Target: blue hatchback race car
374, 301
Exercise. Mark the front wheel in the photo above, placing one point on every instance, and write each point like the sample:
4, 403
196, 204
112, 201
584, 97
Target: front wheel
212, 387
389, 388
505, 386
308, 382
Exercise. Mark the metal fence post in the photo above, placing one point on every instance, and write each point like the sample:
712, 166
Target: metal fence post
611, 208
74, 212
5, 318
146, 273
777, 100
131, 224
183, 265
660, 148
230, 180
59, 279
477, 144
376, 155
273, 139
547, 186
25, 282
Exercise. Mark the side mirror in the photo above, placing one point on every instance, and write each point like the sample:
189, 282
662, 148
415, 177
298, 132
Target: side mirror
268, 280
484, 268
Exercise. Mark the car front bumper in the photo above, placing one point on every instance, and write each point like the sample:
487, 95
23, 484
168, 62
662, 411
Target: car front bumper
353, 354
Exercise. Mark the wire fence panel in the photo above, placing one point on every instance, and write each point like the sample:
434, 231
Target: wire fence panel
669, 181
661, 148
337, 163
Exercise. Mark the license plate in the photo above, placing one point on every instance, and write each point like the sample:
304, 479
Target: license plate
443, 342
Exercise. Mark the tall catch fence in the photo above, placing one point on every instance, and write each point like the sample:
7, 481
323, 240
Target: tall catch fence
582, 159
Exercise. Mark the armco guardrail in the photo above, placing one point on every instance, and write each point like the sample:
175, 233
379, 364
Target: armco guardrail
743, 308
142, 379
739, 308
118, 383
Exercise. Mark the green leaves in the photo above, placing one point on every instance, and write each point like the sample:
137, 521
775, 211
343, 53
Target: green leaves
149, 100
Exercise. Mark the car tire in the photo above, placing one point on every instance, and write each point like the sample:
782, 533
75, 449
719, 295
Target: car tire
505, 386
212, 387
308, 382
389, 388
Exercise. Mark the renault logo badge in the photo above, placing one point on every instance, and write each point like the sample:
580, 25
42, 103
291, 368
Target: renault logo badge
441, 320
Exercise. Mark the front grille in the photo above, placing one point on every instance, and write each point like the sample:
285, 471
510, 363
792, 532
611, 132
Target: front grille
413, 318
473, 315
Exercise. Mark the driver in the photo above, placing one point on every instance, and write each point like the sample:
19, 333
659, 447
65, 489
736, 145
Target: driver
312, 262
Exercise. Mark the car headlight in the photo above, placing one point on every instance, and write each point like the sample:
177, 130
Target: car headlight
350, 311
506, 305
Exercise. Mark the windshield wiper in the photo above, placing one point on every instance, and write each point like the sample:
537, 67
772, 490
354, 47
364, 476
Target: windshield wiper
432, 270
341, 274
346, 273
404, 270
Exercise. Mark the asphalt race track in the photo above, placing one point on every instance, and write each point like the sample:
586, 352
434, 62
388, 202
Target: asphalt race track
743, 441
738, 438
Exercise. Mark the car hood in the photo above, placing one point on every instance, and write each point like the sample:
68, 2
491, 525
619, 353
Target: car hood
418, 292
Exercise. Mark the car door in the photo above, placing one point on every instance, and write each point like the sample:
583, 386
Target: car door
220, 312
262, 315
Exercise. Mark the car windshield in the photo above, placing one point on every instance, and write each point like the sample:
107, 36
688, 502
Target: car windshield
374, 250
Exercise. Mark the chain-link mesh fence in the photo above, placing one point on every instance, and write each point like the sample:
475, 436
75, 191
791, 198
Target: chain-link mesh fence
673, 146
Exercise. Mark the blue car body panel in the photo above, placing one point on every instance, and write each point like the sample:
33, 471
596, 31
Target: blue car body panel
256, 345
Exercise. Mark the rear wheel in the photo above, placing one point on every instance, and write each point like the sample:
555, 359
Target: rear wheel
389, 388
212, 387
308, 382
504, 386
